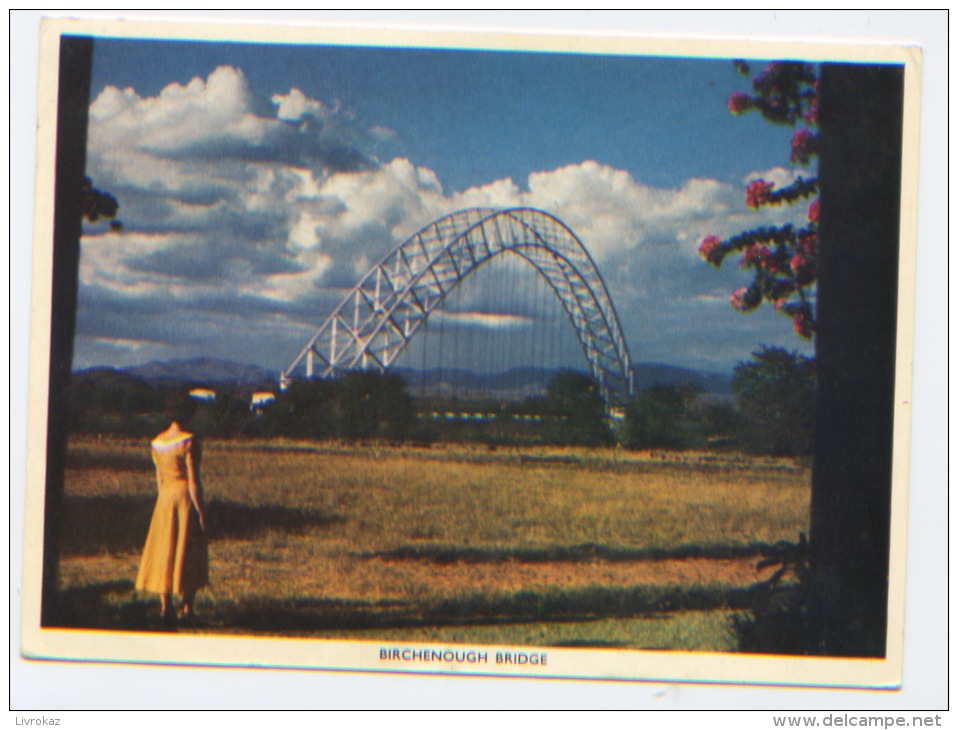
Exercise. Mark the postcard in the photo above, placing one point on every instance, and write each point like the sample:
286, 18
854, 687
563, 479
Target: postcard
416, 352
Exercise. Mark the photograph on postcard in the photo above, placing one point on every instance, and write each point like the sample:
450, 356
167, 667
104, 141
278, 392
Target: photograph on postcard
464, 353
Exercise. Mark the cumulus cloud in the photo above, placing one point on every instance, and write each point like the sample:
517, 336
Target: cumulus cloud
295, 105
182, 158
222, 119
247, 219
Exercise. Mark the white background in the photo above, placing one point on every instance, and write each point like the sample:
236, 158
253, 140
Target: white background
47, 687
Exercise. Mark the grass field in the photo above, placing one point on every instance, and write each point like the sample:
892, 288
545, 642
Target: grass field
556, 547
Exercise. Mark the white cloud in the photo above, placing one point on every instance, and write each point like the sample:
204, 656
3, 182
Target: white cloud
295, 105
499, 194
123, 343
304, 233
390, 197
344, 221
232, 202
103, 260
486, 320
179, 118
780, 176
199, 132
296, 286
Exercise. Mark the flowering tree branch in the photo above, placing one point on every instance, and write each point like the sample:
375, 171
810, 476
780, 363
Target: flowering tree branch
784, 258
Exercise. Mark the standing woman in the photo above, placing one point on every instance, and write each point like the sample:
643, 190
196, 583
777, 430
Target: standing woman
175, 559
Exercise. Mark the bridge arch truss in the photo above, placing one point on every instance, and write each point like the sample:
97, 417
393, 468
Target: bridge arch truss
375, 321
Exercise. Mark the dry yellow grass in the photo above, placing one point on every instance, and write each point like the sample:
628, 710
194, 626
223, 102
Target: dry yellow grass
380, 529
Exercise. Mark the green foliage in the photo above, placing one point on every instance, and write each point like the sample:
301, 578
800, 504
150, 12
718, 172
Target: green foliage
663, 417
776, 396
719, 423
223, 417
780, 618
99, 205
108, 402
370, 405
357, 406
574, 412
304, 410
373, 406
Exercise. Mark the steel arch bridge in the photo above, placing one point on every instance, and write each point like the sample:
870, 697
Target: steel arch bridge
376, 320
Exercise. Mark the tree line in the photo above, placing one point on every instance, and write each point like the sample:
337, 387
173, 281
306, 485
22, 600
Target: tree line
771, 412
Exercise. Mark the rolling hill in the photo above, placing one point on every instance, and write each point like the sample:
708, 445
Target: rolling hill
517, 382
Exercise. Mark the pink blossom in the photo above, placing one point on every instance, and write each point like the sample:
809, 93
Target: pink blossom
739, 102
745, 299
808, 244
737, 300
813, 211
768, 73
804, 145
710, 249
755, 255
803, 325
811, 116
774, 264
758, 193
805, 269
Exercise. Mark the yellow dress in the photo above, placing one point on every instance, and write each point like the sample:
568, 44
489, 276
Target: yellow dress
175, 556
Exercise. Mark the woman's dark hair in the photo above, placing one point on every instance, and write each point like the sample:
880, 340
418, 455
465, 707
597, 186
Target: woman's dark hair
179, 407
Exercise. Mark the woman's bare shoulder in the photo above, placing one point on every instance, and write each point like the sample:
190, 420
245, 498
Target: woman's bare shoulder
167, 441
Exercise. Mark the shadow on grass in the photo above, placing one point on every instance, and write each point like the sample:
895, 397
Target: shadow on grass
572, 553
108, 606
114, 606
80, 458
235, 520
780, 622
91, 525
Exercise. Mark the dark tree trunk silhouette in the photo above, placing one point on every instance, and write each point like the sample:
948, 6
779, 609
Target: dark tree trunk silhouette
860, 177
73, 101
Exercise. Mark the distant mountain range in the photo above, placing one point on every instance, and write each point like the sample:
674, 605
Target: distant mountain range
530, 381
202, 371
521, 381
647, 375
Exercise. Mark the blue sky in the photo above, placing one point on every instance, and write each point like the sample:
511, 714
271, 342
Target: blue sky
258, 182
477, 116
